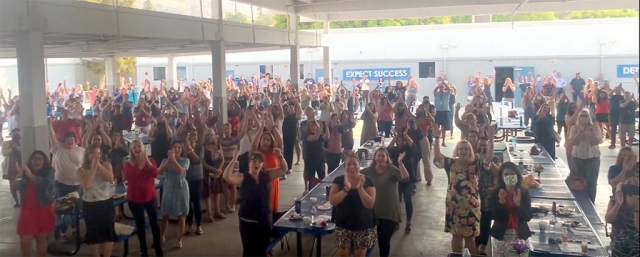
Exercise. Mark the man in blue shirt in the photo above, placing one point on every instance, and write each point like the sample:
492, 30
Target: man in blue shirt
441, 95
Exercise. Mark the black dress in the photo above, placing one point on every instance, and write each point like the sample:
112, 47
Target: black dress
255, 214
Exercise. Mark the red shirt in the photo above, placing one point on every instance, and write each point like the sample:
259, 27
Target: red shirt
62, 127
142, 186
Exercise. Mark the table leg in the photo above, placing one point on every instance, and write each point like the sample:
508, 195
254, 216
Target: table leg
319, 246
299, 244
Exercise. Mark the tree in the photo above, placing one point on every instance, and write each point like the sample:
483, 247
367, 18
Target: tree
148, 5
126, 65
123, 3
280, 20
263, 20
541, 16
97, 67
237, 17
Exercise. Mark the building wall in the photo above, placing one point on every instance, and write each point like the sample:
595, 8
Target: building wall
57, 71
589, 46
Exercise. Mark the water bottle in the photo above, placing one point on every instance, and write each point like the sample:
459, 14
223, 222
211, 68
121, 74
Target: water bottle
521, 167
466, 253
552, 229
513, 142
500, 121
314, 210
521, 121
298, 205
565, 236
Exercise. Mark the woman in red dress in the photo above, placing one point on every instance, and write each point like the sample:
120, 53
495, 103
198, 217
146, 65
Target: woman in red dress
36, 218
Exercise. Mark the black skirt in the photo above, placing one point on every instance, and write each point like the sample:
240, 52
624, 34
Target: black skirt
99, 219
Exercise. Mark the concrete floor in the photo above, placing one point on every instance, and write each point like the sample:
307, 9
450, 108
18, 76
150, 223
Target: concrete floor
221, 238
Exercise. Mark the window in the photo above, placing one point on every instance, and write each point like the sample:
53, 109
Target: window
159, 73
426, 70
301, 71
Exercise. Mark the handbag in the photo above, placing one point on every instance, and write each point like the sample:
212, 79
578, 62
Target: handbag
576, 183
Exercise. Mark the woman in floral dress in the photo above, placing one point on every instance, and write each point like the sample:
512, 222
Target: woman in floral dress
462, 218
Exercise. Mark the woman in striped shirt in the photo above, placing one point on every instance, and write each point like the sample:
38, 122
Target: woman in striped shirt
229, 144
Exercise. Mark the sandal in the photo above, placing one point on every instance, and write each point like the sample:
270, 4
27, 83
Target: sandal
428, 183
210, 219
407, 229
199, 231
297, 163
179, 246
219, 216
187, 231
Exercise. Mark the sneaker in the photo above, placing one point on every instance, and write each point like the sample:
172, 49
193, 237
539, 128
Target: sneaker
288, 172
283, 177
612, 147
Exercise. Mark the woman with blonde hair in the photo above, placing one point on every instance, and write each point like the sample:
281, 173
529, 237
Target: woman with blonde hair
624, 163
508, 90
140, 172
585, 137
462, 170
212, 184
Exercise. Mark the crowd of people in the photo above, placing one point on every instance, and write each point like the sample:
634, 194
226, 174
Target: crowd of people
202, 163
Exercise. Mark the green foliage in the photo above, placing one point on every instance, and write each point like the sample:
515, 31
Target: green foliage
539, 16
97, 67
237, 17
148, 5
123, 3
602, 14
280, 20
262, 20
126, 65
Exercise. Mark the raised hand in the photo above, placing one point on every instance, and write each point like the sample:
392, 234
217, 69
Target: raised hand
347, 184
502, 195
236, 154
277, 152
517, 197
401, 157
361, 180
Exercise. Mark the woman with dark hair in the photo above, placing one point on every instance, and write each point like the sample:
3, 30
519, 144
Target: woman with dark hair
333, 139
265, 143
95, 176
543, 128
404, 153
255, 211
386, 177
385, 121
36, 219
622, 213
175, 192
369, 123
511, 210
347, 123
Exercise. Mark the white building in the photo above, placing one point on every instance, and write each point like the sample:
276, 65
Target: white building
588, 46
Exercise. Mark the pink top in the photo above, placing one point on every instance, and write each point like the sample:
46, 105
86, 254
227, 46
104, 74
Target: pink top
335, 141
386, 113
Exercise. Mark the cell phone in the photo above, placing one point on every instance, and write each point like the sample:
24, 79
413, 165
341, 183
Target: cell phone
630, 189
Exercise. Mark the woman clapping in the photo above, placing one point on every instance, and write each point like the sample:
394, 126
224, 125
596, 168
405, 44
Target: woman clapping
95, 176
36, 220
140, 173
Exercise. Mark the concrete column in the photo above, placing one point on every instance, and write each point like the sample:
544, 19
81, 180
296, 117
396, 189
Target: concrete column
481, 19
172, 76
326, 61
216, 9
219, 81
34, 127
294, 67
112, 79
